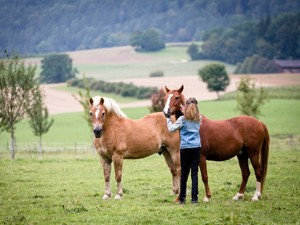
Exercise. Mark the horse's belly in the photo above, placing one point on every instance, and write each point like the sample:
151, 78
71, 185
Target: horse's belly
143, 151
219, 157
223, 153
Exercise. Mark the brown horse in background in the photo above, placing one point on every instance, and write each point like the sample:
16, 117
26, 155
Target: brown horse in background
241, 136
118, 138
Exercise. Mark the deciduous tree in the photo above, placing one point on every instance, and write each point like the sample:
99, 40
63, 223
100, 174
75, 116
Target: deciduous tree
249, 99
17, 88
57, 68
39, 118
216, 77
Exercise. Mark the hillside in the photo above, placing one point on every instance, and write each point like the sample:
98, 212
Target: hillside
31, 27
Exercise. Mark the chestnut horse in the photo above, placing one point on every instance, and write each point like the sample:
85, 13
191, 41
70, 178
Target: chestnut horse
118, 138
241, 136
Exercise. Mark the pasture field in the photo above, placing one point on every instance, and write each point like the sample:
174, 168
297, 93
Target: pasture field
67, 188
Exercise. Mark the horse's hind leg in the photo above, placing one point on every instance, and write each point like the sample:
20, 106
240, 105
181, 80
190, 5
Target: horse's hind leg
243, 162
106, 164
118, 164
173, 162
256, 166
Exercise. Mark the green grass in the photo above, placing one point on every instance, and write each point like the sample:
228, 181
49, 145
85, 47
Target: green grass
289, 92
68, 188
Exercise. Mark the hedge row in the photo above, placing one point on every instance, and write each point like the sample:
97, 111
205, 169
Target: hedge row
120, 88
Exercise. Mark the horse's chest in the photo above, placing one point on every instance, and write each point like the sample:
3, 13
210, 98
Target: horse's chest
104, 148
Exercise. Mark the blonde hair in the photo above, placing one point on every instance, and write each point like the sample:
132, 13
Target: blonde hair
191, 111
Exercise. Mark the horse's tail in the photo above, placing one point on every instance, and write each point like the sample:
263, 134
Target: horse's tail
264, 156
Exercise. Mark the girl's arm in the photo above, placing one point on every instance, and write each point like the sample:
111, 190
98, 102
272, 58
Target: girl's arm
174, 126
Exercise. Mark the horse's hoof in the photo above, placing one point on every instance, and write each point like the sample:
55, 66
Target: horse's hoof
174, 192
256, 196
106, 196
238, 196
206, 199
118, 197
176, 200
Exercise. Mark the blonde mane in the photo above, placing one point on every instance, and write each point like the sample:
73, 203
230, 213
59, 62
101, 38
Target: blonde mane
110, 105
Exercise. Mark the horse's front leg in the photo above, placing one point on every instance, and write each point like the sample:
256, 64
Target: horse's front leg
173, 162
203, 170
106, 164
118, 164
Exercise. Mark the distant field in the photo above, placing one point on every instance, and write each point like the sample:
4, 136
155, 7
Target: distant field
173, 61
288, 92
115, 97
281, 117
123, 62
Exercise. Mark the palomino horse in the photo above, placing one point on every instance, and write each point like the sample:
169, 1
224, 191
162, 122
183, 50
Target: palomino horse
118, 138
241, 136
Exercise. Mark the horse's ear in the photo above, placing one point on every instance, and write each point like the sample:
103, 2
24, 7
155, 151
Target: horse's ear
91, 101
180, 89
101, 101
167, 89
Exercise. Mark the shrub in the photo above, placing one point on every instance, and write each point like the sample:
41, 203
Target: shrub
120, 88
257, 64
157, 73
157, 100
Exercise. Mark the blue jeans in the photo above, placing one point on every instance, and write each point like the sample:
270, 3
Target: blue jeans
189, 160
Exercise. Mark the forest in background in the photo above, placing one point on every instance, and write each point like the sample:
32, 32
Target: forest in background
43, 26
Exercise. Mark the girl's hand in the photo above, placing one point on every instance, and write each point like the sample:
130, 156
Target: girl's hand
182, 108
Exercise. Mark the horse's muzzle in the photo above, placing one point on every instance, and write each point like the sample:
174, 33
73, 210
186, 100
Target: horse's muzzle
98, 132
168, 114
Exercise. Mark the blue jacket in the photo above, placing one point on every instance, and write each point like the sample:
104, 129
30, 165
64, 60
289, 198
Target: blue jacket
189, 132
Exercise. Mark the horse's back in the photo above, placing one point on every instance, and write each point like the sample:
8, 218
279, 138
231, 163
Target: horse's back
224, 139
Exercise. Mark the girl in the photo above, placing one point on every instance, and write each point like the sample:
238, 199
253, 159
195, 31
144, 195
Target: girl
190, 145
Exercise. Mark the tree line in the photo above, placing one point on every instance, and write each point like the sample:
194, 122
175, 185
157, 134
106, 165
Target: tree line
31, 27
270, 38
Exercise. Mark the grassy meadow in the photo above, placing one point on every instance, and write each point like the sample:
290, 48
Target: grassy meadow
67, 189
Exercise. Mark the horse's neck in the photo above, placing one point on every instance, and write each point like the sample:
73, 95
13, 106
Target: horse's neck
178, 114
112, 120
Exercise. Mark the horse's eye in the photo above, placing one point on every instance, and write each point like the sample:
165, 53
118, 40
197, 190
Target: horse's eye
91, 114
103, 114
176, 98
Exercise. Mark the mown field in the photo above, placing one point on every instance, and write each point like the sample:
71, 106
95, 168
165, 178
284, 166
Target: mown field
123, 62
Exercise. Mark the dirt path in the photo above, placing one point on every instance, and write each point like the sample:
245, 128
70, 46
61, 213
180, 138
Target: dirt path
63, 102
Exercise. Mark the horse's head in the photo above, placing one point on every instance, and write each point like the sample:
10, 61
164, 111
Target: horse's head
173, 101
97, 113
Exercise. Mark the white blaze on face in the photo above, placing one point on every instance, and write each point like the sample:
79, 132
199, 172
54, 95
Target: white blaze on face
97, 112
167, 106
